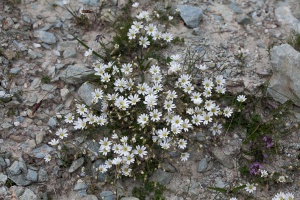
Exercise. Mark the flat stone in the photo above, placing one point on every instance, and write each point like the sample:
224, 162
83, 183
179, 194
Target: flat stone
202, 165
28, 195
46, 37
76, 74
85, 93
32, 175
243, 20
235, 8
80, 186
285, 17
90, 197
14, 169
76, 164
191, 15
19, 45
162, 177
90, 2
15, 70
42, 175
129, 198
42, 151
32, 54
3, 178
69, 53
19, 180
107, 195
225, 160
52, 122
2, 162
3, 191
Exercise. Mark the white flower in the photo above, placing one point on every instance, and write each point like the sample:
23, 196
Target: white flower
170, 18
137, 26
216, 129
233, 198
151, 29
143, 15
140, 150
131, 34
241, 98
88, 52
207, 84
182, 143
97, 94
177, 121
163, 133
279, 196
188, 88
171, 95
250, 188
81, 109
202, 67
101, 120
144, 42
105, 142
102, 168
122, 103
54, 142
80, 124
143, 119
169, 105
135, 4
128, 159
69, 118
125, 149
263, 173
126, 170
47, 158
220, 80
197, 119
281, 179
207, 117
61, 133
220, 89
134, 99
155, 115
150, 101
154, 69
117, 161
167, 37
105, 77
186, 125
184, 156
209, 104
227, 112
65, 2
289, 196
126, 68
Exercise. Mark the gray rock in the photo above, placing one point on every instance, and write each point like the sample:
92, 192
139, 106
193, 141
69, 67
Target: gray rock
129, 198
52, 122
48, 87
3, 178
19, 180
162, 177
19, 45
46, 37
69, 53
191, 15
235, 8
22, 165
28, 195
32, 175
76, 74
14, 169
90, 2
42, 175
202, 166
90, 197
243, 20
220, 183
225, 160
2, 162
46, 27
15, 70
26, 19
3, 191
285, 17
32, 54
20, 119
7, 161
107, 195
285, 83
76, 164
7, 23
167, 167
42, 151
85, 93
80, 186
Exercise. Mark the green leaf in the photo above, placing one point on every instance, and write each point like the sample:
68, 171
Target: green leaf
218, 189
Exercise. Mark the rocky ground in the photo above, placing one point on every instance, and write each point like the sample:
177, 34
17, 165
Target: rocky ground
40, 61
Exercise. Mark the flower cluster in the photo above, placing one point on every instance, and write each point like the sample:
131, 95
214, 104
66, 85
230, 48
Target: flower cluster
283, 196
143, 114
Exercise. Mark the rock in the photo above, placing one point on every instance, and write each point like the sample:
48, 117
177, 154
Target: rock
3, 191
220, 183
285, 83
76, 74
32, 175
162, 177
191, 15
46, 37
26, 19
3, 179
100, 176
15, 70
225, 160
33, 55
28, 195
90, 197
19, 180
69, 53
76, 164
19, 45
285, 17
85, 93
235, 8
7, 23
202, 166
52, 122
107, 195
42, 151
90, 2
14, 169
129, 198
2, 162
42, 175
167, 167
80, 186
243, 20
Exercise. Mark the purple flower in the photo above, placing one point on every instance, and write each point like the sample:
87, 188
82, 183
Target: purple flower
254, 168
269, 141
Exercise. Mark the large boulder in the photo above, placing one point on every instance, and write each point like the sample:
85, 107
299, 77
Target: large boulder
285, 82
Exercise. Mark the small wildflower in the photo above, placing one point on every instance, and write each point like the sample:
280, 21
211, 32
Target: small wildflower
47, 158
184, 156
281, 179
135, 4
250, 188
241, 98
